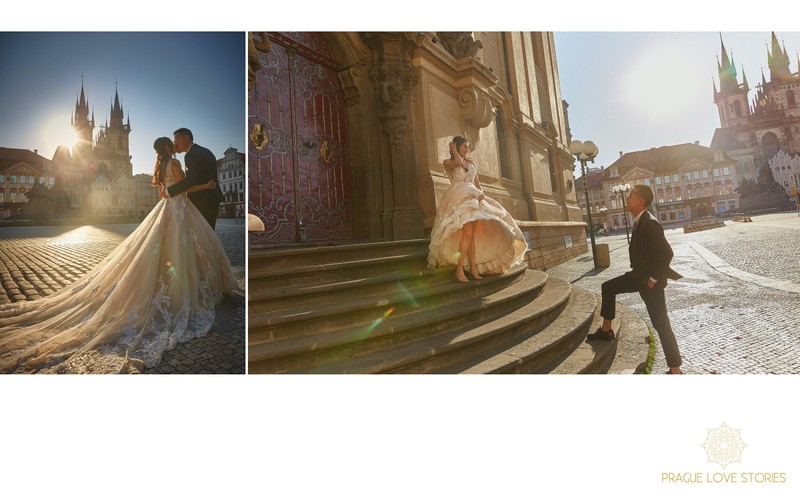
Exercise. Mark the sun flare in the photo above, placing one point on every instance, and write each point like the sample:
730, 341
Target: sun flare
58, 131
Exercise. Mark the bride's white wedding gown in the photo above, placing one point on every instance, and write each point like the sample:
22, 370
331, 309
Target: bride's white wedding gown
158, 288
499, 242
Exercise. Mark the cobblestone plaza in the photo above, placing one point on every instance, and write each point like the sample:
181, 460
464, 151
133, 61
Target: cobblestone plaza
737, 309
36, 261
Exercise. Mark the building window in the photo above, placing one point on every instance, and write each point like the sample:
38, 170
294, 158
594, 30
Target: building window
658, 180
726, 171
697, 175
705, 173
31, 180
716, 172
647, 181
790, 98
13, 179
688, 176
2, 179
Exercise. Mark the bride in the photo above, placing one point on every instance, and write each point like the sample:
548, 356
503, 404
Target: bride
471, 228
158, 288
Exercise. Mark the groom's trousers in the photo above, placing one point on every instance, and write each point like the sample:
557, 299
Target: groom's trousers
656, 308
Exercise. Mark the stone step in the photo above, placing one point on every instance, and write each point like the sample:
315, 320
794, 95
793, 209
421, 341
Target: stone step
288, 258
355, 313
320, 294
444, 352
542, 350
333, 272
314, 351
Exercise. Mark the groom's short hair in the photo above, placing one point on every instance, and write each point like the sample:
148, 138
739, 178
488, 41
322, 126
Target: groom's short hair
184, 132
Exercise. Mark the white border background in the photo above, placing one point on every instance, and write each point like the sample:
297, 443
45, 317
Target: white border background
406, 439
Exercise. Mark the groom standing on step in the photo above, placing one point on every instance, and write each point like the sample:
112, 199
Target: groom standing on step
201, 166
650, 257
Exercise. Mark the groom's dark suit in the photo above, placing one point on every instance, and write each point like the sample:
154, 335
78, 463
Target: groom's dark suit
650, 255
201, 166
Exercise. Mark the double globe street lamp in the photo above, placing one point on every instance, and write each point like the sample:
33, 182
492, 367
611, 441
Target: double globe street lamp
583, 152
622, 190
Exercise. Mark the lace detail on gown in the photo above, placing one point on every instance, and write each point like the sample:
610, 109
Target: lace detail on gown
158, 288
499, 243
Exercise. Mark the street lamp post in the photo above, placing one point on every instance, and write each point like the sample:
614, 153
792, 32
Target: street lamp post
621, 190
583, 152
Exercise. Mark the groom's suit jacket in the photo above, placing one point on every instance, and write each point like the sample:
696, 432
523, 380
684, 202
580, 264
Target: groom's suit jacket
201, 166
650, 252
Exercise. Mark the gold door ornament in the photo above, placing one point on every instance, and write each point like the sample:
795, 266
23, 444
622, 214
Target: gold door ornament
326, 151
259, 136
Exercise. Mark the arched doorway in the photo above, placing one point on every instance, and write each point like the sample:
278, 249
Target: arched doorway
702, 211
299, 176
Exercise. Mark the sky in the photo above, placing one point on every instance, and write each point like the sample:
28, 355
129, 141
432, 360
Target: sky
165, 81
630, 91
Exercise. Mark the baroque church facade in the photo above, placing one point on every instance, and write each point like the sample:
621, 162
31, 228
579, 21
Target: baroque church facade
348, 132
753, 131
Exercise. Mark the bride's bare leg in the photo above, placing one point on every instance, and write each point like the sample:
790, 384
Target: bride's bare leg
473, 263
463, 250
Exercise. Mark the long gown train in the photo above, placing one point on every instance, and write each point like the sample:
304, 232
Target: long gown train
158, 288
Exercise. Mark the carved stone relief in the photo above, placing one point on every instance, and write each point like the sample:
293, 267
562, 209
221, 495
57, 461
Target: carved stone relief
459, 44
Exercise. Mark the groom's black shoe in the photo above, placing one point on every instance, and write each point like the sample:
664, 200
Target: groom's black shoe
601, 335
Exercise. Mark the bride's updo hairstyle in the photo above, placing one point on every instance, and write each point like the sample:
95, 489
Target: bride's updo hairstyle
160, 145
459, 140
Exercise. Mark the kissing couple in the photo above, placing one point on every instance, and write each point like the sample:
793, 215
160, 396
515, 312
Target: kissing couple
158, 288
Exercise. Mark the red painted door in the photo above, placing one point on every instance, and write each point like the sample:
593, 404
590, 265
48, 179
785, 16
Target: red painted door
299, 178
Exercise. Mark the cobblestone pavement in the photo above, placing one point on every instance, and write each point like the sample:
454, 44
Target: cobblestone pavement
36, 261
724, 325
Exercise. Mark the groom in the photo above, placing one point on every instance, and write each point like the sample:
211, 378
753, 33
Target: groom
201, 166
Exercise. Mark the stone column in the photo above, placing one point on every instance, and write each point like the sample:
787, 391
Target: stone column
394, 81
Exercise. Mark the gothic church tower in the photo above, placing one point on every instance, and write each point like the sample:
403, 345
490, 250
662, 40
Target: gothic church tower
111, 152
731, 99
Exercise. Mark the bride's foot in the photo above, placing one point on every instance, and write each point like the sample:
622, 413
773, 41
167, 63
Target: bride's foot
475, 275
461, 277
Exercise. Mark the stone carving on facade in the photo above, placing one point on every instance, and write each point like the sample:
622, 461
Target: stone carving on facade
349, 79
477, 111
395, 83
459, 44
256, 41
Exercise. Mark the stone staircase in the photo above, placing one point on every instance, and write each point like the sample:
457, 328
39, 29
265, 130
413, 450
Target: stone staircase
376, 308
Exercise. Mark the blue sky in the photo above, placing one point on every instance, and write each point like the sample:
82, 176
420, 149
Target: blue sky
165, 81
630, 91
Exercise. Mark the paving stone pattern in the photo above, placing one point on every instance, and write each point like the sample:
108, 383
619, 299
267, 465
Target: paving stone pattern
724, 325
36, 261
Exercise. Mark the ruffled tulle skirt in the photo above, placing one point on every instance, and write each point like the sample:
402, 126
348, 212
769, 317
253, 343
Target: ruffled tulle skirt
158, 288
499, 243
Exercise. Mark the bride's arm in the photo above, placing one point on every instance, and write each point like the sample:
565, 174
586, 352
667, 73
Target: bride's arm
178, 173
456, 162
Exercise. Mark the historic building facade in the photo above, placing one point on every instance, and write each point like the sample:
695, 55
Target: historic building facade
348, 131
753, 131
98, 174
688, 181
786, 172
20, 171
231, 169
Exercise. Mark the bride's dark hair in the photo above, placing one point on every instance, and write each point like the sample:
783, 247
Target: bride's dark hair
459, 140
163, 159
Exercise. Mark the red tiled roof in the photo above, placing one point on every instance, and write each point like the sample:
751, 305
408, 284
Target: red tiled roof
10, 156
